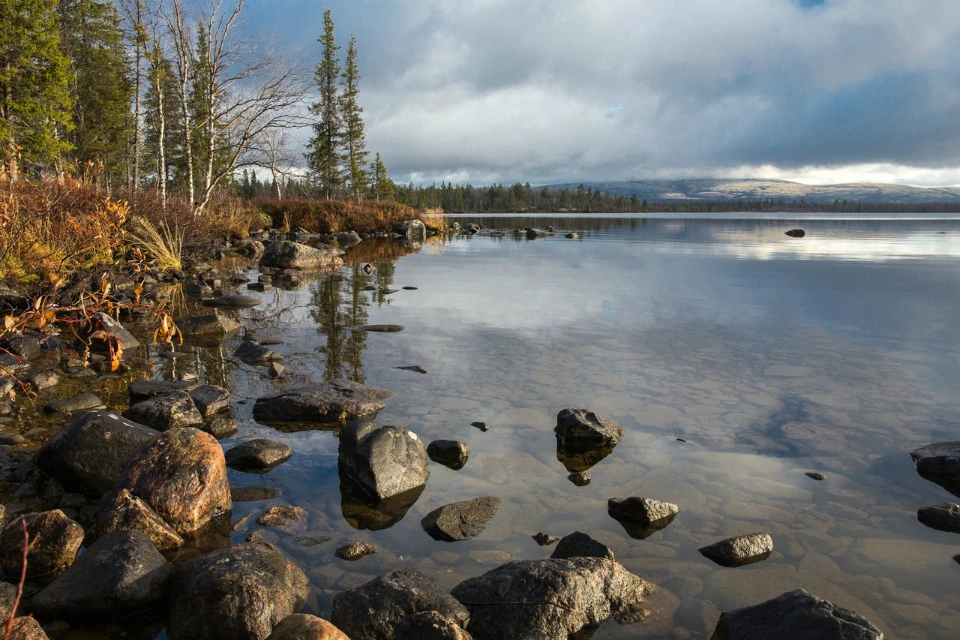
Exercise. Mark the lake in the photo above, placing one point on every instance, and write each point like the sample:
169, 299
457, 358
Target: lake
735, 358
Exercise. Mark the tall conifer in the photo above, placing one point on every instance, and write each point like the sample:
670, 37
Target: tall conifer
324, 157
355, 143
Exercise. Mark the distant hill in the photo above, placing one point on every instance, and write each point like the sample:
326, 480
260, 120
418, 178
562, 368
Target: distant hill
714, 189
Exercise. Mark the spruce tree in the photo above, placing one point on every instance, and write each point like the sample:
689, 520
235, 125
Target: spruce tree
355, 143
324, 157
34, 86
101, 91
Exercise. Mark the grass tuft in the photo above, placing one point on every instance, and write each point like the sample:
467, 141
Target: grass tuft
163, 243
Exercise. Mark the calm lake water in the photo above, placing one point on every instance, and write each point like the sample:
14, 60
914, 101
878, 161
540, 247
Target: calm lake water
770, 356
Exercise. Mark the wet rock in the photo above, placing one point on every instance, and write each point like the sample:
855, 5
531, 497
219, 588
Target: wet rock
140, 390
210, 399
415, 368
533, 234
126, 339
233, 301
550, 598
303, 627
334, 401
940, 463
55, 540
450, 453
252, 249
27, 628
430, 625
286, 518
293, 255
581, 429
944, 517
362, 511
355, 551
740, 550
260, 286
544, 539
795, 233
76, 404
8, 595
815, 475
11, 439
572, 236
276, 370
208, 326
43, 380
120, 572
381, 328
640, 510
483, 426
221, 425
375, 610
580, 545
385, 460
795, 615
413, 231
347, 239
174, 410
253, 494
123, 511
25, 346
253, 353
87, 457
237, 593
260, 454
460, 520
580, 478
183, 476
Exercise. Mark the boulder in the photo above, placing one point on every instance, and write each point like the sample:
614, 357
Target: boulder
237, 593
413, 231
385, 460
293, 255
580, 545
8, 596
550, 598
26, 346
259, 454
55, 540
254, 353
26, 628
76, 404
87, 457
582, 429
740, 550
945, 517
449, 453
221, 425
338, 400
375, 610
303, 627
430, 625
212, 325
123, 511
183, 476
120, 572
174, 410
795, 615
641, 517
795, 233
460, 520
252, 249
210, 399
940, 463
533, 233
347, 238
140, 390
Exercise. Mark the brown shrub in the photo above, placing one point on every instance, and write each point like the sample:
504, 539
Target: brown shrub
331, 216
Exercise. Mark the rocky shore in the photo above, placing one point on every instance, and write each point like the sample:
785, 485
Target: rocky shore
132, 511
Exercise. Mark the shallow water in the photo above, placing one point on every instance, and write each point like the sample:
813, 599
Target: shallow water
769, 356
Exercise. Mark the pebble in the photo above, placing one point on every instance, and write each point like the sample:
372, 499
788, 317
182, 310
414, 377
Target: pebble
483, 426
545, 539
815, 475
355, 551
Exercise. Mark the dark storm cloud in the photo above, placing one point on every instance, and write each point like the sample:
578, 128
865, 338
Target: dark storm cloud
575, 89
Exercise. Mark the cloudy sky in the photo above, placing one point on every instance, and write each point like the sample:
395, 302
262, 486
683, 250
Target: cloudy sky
544, 91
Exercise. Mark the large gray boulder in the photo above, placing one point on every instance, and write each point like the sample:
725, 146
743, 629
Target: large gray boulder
795, 615
88, 456
174, 410
338, 400
940, 463
582, 429
413, 231
385, 460
120, 572
293, 255
460, 520
374, 611
740, 550
55, 541
237, 593
550, 599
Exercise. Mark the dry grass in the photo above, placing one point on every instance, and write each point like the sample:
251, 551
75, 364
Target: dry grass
164, 243
434, 219
331, 216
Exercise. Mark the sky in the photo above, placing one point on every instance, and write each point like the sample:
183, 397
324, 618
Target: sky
549, 91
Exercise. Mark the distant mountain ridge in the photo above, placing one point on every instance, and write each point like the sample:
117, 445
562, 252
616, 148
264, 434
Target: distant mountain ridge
732, 189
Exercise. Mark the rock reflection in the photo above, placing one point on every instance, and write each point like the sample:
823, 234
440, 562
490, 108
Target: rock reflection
642, 531
362, 511
576, 459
